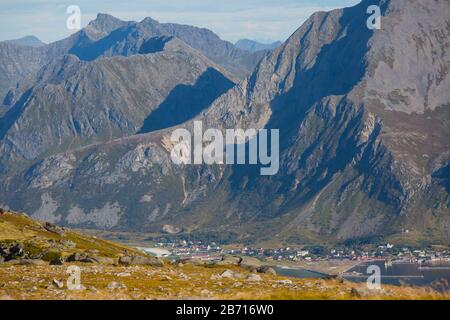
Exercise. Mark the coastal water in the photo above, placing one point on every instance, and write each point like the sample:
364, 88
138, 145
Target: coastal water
402, 273
394, 274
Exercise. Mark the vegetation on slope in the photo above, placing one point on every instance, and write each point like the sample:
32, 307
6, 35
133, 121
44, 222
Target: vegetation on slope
24, 278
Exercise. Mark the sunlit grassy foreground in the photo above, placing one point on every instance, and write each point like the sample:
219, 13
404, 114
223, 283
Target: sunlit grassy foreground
182, 282
35, 278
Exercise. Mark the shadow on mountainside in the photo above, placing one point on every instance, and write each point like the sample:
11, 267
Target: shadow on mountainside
339, 67
89, 50
186, 101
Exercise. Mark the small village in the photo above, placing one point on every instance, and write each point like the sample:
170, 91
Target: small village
199, 250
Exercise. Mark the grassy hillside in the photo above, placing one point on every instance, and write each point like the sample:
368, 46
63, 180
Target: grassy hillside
27, 247
41, 240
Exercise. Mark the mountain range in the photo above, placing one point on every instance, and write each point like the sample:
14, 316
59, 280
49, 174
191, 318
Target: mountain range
253, 46
364, 120
29, 41
108, 36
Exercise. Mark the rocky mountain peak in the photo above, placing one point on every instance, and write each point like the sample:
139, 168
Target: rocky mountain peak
149, 21
106, 23
30, 41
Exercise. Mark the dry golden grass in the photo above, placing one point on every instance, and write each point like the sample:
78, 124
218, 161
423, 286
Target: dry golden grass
183, 282
17, 227
168, 282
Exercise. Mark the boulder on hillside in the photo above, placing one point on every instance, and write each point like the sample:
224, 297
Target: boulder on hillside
267, 269
32, 262
249, 263
254, 278
229, 260
87, 257
11, 251
81, 257
227, 274
57, 261
53, 228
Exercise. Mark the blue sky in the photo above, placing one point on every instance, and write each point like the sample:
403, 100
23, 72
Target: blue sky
263, 20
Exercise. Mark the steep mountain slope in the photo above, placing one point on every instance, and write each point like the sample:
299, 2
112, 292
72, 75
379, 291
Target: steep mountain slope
355, 166
364, 151
108, 36
19, 63
128, 40
79, 103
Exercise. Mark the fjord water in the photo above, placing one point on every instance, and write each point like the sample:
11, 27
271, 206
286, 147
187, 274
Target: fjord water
395, 274
402, 273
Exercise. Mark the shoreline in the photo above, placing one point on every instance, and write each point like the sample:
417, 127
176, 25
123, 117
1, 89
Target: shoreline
327, 268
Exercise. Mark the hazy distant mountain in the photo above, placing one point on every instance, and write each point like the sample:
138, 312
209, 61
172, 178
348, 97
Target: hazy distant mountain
253, 46
109, 36
81, 102
19, 59
363, 118
128, 39
30, 41
17, 63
